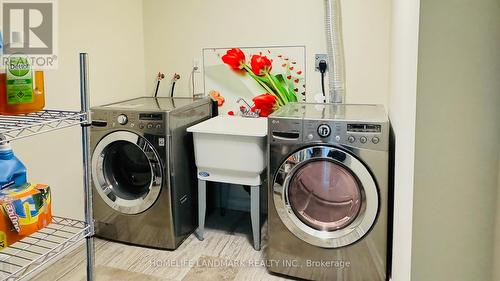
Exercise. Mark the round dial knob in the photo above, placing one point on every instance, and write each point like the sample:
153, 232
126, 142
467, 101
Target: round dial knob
363, 139
351, 139
122, 119
324, 131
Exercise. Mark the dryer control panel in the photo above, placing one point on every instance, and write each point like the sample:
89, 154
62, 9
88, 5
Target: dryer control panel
363, 135
367, 135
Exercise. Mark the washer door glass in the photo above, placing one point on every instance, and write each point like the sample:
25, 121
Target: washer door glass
325, 196
126, 172
127, 168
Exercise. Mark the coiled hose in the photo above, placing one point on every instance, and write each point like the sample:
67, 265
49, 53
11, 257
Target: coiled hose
335, 47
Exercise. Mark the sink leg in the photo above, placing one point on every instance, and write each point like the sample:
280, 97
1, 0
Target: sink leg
202, 208
224, 194
255, 214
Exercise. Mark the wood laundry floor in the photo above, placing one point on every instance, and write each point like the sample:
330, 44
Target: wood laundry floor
226, 254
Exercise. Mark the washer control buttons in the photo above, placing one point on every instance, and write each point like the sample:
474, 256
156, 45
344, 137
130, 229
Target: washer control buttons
122, 119
150, 126
363, 139
158, 126
337, 138
375, 140
310, 137
351, 139
324, 131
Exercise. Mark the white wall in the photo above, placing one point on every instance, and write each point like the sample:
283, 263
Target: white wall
111, 32
177, 31
457, 140
402, 111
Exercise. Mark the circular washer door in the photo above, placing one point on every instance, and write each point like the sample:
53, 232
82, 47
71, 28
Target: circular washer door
326, 197
127, 172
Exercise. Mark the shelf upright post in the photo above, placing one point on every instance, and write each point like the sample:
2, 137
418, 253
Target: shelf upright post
85, 107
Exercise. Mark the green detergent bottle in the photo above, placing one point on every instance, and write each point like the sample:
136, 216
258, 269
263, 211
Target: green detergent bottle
19, 81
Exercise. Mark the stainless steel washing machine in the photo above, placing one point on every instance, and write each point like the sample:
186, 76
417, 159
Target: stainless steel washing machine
329, 194
143, 171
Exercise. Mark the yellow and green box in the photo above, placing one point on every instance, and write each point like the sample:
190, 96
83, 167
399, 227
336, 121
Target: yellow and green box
23, 211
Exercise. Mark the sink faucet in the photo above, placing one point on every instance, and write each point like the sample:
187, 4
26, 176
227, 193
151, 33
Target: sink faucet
247, 111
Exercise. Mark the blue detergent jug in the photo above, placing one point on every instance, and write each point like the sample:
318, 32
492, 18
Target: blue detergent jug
12, 171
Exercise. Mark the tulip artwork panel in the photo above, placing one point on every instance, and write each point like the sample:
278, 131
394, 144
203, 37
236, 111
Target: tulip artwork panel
259, 79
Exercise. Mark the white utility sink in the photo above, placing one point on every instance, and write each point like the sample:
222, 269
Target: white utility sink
231, 149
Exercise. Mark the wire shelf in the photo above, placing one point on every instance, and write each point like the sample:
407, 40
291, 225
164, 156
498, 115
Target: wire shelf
22, 126
30, 254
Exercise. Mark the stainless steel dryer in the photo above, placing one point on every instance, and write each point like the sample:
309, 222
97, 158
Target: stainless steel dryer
143, 171
328, 200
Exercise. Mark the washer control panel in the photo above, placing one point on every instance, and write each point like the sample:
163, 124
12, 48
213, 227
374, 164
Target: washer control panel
146, 122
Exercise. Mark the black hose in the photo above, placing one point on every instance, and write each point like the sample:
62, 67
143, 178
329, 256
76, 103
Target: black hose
172, 90
157, 88
323, 85
323, 66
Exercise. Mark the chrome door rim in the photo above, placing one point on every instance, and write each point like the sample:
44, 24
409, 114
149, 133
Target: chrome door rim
326, 239
105, 189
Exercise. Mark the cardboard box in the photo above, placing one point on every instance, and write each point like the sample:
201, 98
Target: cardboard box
23, 211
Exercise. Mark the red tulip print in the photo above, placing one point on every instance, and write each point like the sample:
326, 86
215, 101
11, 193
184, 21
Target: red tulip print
235, 58
264, 104
261, 65
278, 89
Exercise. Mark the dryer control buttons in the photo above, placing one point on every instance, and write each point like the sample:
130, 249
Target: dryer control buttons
375, 140
351, 139
122, 119
363, 139
324, 131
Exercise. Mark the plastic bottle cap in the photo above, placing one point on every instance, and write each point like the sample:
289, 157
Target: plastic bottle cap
5, 147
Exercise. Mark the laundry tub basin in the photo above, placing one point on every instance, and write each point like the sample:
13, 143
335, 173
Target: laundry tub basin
231, 149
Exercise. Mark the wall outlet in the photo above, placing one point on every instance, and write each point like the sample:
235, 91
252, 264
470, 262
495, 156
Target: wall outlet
318, 58
196, 65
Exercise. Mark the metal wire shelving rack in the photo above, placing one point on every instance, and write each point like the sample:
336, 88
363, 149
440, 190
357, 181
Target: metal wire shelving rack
33, 253
22, 126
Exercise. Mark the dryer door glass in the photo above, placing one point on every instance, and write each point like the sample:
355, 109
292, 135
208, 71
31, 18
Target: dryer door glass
325, 195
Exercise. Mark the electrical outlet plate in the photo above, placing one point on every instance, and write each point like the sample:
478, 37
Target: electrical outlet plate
318, 58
